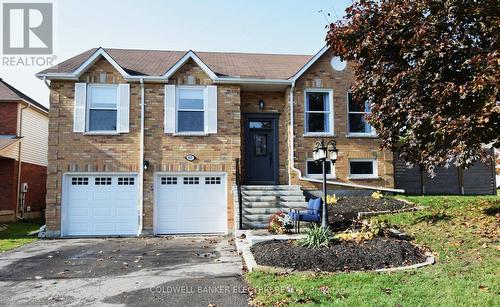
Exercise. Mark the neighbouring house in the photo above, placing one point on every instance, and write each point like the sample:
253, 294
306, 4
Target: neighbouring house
24, 129
166, 142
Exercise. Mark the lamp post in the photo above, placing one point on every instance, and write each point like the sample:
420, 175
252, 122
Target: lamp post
323, 153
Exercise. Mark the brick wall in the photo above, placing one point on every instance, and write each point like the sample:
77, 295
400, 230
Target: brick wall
340, 82
7, 184
70, 151
36, 177
8, 118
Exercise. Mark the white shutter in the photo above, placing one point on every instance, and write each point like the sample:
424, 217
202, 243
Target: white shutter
211, 102
169, 108
123, 108
79, 107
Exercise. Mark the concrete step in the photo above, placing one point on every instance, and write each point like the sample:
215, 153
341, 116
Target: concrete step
263, 218
253, 211
270, 187
272, 193
254, 225
275, 204
286, 198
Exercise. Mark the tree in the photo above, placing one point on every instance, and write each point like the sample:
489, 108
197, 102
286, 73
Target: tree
430, 71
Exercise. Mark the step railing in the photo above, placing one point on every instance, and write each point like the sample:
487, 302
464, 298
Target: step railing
238, 188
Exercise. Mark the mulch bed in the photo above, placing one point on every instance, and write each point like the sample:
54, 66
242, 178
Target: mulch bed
346, 209
379, 253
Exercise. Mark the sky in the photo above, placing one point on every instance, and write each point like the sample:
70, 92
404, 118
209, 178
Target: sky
262, 26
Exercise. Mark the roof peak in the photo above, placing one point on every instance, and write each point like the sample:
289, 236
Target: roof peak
202, 51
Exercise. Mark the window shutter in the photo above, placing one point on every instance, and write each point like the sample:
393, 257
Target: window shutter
79, 107
169, 109
211, 98
123, 107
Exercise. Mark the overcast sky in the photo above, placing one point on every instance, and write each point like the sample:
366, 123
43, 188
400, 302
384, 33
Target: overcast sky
277, 26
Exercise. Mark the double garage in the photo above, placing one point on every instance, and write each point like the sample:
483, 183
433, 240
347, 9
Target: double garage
108, 204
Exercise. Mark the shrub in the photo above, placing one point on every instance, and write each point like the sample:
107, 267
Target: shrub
280, 223
331, 199
377, 195
317, 237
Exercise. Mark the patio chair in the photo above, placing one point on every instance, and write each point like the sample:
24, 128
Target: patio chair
312, 214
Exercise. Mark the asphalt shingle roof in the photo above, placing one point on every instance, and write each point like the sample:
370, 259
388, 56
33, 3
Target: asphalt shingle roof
10, 93
157, 62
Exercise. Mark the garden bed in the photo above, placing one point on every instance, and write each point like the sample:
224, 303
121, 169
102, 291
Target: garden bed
378, 253
346, 209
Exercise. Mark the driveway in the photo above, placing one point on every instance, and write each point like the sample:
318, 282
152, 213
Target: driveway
159, 271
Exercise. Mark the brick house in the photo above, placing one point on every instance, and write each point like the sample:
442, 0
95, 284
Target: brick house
148, 141
24, 127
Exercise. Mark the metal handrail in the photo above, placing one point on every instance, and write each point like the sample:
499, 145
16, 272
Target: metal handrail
238, 187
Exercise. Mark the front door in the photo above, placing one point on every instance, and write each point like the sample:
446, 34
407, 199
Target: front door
261, 150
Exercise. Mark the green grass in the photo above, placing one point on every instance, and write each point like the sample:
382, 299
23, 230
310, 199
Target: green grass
16, 234
461, 231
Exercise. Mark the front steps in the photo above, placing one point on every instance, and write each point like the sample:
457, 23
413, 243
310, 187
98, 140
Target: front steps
259, 203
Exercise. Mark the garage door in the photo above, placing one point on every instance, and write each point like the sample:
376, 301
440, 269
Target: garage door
190, 203
101, 205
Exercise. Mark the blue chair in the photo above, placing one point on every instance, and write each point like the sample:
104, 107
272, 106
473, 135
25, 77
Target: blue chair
312, 214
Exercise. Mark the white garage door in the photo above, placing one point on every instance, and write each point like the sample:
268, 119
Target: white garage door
190, 203
100, 205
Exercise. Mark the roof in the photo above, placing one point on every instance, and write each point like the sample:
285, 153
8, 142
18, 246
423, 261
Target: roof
6, 142
223, 64
10, 93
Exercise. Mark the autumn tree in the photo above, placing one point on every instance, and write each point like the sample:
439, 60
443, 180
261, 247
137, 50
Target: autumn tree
430, 71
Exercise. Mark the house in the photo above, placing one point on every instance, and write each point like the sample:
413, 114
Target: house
24, 129
165, 142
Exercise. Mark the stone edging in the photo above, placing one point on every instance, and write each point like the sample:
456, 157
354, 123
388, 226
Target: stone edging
243, 248
374, 213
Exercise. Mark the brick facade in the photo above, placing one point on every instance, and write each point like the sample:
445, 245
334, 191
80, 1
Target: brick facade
8, 184
8, 116
349, 147
70, 151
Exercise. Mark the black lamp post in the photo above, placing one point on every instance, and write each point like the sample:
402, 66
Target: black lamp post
324, 153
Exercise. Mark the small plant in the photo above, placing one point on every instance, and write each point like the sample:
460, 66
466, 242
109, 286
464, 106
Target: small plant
379, 227
377, 195
331, 199
280, 223
356, 236
317, 237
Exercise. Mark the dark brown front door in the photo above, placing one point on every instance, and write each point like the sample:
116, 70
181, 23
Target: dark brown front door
261, 150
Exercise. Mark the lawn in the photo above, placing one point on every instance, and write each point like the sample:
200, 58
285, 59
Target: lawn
462, 232
16, 234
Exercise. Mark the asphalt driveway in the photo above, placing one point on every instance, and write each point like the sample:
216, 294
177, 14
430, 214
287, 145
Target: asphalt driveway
180, 271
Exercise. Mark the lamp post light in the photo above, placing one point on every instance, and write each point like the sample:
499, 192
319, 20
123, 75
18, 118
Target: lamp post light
323, 153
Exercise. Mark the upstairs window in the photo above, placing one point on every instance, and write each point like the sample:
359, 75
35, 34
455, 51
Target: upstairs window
102, 108
318, 111
357, 117
190, 110
314, 169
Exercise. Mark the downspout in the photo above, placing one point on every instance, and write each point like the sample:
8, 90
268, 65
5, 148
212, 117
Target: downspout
19, 162
141, 161
298, 171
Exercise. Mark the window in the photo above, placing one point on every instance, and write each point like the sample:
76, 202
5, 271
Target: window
191, 180
315, 169
102, 107
80, 181
212, 180
190, 109
319, 111
102, 181
169, 180
363, 169
126, 181
357, 122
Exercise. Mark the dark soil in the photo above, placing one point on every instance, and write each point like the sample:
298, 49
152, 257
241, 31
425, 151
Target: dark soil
346, 209
379, 253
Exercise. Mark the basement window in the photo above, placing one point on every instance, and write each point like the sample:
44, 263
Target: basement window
363, 169
314, 169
